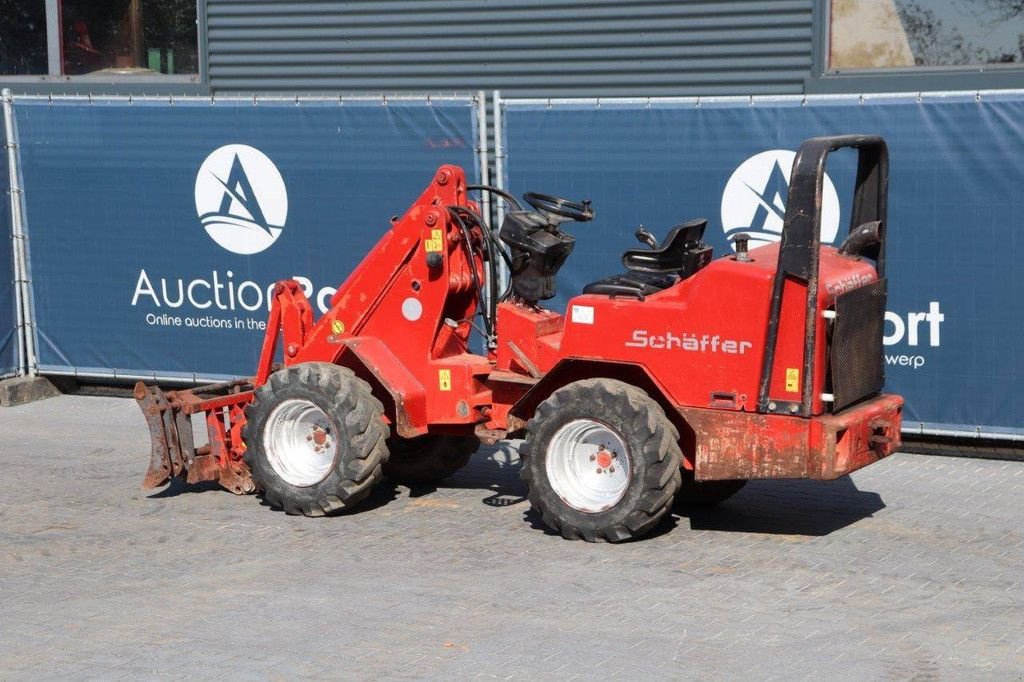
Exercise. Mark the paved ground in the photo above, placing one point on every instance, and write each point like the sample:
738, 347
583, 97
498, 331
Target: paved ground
911, 569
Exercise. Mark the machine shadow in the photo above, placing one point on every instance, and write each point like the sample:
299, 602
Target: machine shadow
381, 494
788, 507
494, 468
667, 523
177, 486
782, 507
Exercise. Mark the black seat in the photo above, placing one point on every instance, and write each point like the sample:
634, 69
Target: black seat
681, 254
670, 255
637, 284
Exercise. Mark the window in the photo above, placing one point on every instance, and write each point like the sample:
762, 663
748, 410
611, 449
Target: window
23, 37
904, 34
101, 37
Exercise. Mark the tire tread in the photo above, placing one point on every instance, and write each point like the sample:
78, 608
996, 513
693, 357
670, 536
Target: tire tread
367, 441
660, 451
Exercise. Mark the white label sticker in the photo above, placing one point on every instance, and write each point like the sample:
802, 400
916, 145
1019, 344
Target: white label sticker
583, 314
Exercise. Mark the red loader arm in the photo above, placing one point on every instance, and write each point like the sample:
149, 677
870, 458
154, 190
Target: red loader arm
419, 275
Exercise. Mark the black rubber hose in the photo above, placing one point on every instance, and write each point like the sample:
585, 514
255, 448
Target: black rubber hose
500, 192
494, 242
492, 270
472, 270
504, 256
496, 245
508, 260
490, 234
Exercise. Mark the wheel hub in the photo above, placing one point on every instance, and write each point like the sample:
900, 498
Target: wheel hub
587, 465
299, 443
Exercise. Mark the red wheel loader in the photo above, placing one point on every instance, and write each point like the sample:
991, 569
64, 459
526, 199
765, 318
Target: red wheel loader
682, 377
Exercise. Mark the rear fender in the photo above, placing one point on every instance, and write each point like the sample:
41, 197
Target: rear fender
572, 369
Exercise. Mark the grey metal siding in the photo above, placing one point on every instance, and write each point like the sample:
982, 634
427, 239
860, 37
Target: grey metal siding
523, 47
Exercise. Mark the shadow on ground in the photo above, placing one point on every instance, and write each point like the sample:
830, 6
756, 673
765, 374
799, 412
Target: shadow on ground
381, 494
177, 486
813, 508
665, 525
810, 508
495, 469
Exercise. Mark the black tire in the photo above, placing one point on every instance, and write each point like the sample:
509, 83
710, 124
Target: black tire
652, 446
428, 459
357, 420
694, 494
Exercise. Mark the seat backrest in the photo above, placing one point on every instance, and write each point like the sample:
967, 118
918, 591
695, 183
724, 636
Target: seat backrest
670, 256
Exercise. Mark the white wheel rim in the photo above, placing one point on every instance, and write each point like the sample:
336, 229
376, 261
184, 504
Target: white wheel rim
588, 466
300, 442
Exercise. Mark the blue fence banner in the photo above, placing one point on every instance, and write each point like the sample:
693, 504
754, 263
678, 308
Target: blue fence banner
9, 361
956, 213
158, 228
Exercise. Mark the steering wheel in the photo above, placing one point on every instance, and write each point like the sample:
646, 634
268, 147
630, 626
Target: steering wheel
580, 211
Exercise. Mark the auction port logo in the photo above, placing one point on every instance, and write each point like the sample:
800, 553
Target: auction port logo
754, 200
241, 199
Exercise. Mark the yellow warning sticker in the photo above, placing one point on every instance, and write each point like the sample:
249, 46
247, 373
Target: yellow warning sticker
444, 379
338, 327
436, 241
792, 380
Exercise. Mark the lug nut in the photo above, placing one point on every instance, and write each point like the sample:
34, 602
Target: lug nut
593, 457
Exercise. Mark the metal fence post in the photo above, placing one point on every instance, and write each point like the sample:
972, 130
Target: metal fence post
499, 153
12, 161
483, 166
481, 152
499, 174
22, 281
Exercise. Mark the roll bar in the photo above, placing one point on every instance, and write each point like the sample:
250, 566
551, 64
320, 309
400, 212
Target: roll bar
801, 239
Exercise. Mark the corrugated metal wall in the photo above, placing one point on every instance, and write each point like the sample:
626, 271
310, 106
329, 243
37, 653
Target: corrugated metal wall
523, 47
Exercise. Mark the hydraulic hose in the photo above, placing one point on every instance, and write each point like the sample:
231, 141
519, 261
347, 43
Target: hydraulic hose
500, 192
495, 245
491, 264
472, 270
490, 234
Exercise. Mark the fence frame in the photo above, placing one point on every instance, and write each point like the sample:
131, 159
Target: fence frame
24, 308
29, 332
501, 104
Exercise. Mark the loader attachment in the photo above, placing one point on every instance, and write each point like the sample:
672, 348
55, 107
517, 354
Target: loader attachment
174, 453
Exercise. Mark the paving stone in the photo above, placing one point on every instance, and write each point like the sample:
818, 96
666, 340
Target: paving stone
910, 569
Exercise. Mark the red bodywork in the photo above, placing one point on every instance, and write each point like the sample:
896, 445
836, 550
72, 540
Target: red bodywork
402, 321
